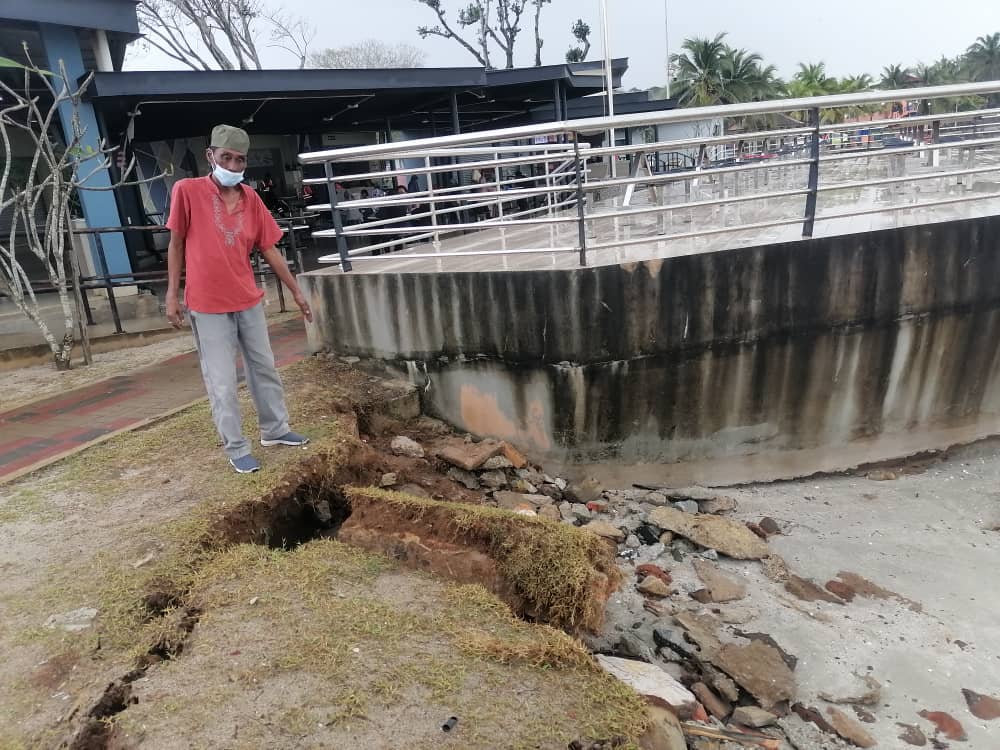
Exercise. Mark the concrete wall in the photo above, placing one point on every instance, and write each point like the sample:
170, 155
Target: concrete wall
789, 346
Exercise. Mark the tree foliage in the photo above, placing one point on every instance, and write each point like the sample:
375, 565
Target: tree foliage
709, 71
370, 53
581, 33
484, 27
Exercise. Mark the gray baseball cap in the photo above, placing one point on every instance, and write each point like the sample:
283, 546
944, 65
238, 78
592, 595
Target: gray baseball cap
227, 136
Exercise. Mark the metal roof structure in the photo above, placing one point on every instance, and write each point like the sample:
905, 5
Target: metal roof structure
317, 100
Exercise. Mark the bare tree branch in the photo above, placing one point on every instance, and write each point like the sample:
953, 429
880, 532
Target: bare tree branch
445, 31
37, 197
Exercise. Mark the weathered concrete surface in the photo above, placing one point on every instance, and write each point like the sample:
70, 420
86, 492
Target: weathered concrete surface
786, 347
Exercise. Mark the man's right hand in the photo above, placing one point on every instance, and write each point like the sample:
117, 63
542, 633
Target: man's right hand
174, 313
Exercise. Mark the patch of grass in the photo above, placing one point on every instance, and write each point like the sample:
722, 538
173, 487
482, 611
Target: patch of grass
27, 504
564, 574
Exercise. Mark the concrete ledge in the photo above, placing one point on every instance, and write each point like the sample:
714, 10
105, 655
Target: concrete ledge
40, 354
797, 346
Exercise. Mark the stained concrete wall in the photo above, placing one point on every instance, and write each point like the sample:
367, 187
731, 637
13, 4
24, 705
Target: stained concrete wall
787, 346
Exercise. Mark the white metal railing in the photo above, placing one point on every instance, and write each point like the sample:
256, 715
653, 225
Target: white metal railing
544, 189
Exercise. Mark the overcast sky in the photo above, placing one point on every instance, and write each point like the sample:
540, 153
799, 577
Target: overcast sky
851, 36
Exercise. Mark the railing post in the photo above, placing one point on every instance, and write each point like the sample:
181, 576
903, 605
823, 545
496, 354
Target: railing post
108, 284
810, 221
338, 224
432, 204
580, 212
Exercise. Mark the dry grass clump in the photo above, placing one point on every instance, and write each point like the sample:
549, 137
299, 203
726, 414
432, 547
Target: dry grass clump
563, 574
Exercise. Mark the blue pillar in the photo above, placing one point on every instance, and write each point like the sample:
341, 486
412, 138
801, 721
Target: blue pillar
99, 207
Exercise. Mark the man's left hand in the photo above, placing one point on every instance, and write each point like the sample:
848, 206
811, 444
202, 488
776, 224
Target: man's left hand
300, 300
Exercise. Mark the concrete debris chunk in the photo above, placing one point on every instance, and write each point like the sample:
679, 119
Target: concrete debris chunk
715, 705
946, 724
494, 480
912, 735
871, 697
849, 729
724, 535
720, 587
651, 682
701, 629
465, 478
512, 454
404, 446
718, 504
497, 463
664, 732
882, 475
606, 530
74, 621
524, 486
983, 707
470, 456
753, 717
653, 586
515, 500
587, 491
759, 669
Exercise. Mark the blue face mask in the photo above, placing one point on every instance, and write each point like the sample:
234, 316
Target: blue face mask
227, 178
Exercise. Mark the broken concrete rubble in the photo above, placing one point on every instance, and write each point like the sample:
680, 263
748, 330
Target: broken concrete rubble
946, 724
404, 446
753, 717
606, 530
726, 536
870, 697
758, 669
715, 705
653, 586
465, 478
849, 729
912, 735
470, 456
981, 706
651, 682
720, 587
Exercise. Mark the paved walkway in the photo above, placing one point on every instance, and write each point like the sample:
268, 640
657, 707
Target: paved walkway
40, 433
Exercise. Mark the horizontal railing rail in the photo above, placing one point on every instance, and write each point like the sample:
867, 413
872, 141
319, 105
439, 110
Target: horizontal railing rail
731, 171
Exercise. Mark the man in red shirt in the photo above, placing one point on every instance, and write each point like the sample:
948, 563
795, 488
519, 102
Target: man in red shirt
215, 223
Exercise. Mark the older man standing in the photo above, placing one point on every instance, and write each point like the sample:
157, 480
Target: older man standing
215, 223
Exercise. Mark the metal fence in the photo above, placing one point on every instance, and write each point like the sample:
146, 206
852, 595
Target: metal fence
542, 189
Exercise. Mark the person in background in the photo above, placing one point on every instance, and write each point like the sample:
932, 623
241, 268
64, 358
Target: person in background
215, 222
367, 214
266, 189
396, 210
414, 185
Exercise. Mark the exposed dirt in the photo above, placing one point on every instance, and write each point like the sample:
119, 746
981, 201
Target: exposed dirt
108, 529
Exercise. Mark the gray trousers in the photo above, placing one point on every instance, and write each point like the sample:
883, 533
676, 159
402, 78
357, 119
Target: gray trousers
218, 338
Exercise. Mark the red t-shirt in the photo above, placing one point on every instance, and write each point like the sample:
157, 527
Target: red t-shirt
217, 244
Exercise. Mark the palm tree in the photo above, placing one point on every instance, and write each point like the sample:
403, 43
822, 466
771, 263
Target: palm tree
982, 60
812, 80
699, 80
895, 77
711, 72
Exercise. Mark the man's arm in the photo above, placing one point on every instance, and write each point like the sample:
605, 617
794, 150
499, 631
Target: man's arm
277, 263
175, 265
